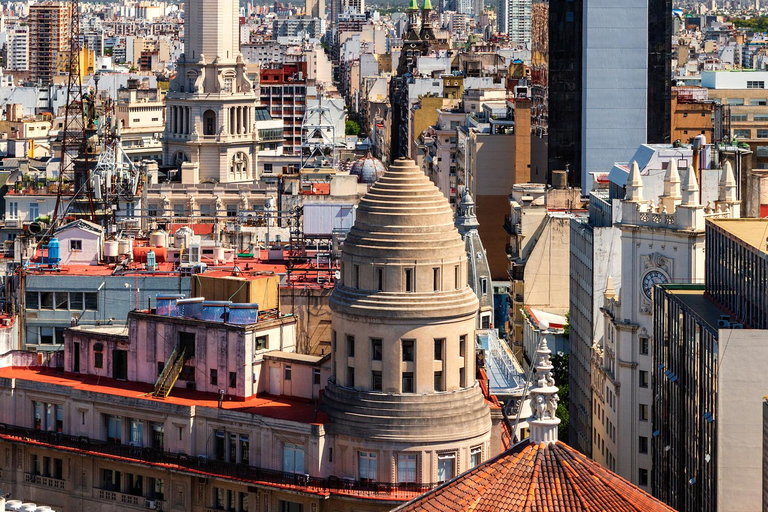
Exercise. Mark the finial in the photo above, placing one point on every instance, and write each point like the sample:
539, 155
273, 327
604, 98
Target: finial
672, 181
634, 184
543, 395
727, 192
610, 293
413, 6
427, 5
690, 189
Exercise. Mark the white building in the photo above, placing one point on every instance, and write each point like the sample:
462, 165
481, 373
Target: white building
18, 48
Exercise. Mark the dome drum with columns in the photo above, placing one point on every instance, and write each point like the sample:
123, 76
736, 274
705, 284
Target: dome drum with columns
403, 340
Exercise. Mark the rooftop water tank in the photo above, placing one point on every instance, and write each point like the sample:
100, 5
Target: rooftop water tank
151, 260
191, 308
158, 239
243, 313
218, 253
125, 246
166, 303
215, 310
53, 251
183, 237
13, 504
111, 249
28, 507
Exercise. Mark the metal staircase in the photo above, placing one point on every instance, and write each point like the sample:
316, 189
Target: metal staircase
170, 373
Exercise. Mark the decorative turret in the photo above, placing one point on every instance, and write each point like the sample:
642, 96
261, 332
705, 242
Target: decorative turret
726, 197
426, 27
544, 421
634, 185
610, 292
671, 197
413, 16
478, 270
690, 213
690, 189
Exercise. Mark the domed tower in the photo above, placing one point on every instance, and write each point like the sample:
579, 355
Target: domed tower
403, 399
368, 168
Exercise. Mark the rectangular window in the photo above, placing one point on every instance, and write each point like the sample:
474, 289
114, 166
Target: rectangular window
644, 341
245, 449
219, 444
112, 480
740, 118
376, 349
439, 381
243, 502
462, 345
642, 477
92, 301
75, 245
293, 458
46, 335
214, 377
642, 444
758, 102
406, 468
407, 382
643, 413
380, 279
408, 280
735, 101
456, 277
350, 346
367, 466
350, 376
232, 457
446, 464
357, 275
376, 381
33, 300
742, 134
287, 372
289, 506
98, 360
137, 432
316, 376
408, 350
436, 279
114, 429
76, 301
59, 418
158, 436
260, 343
475, 456
762, 134
484, 285
46, 300
439, 344
233, 379
643, 379
38, 415
762, 118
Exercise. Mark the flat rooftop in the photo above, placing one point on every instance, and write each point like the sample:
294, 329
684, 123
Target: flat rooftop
277, 407
753, 232
693, 297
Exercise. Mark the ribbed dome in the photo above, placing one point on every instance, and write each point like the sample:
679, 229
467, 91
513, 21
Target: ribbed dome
403, 215
369, 168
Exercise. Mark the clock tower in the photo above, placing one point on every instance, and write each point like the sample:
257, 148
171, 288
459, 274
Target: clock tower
662, 241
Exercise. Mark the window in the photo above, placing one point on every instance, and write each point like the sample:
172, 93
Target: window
114, 428
376, 349
137, 432
406, 468
287, 372
439, 344
350, 376
644, 341
135, 485
762, 134
740, 118
214, 377
484, 285
376, 381
62, 300
357, 276
742, 134
446, 464
245, 449
268, 168
407, 350
260, 343
75, 245
642, 444
735, 101
156, 488
158, 436
316, 376
33, 300
380, 279
436, 279
38, 415
187, 342
763, 118
409, 280
757, 102
92, 301
34, 211
228, 84
456, 277
643, 412
643, 379
439, 381
219, 444
293, 458
13, 210
76, 301
462, 345
755, 84
98, 360
243, 502
485, 322
46, 335
407, 382
367, 466
112, 480
475, 456
289, 506
231, 210
350, 346
643, 477
46, 300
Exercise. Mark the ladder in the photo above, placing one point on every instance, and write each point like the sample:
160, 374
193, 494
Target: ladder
170, 373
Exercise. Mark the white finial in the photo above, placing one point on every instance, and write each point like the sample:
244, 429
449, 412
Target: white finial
634, 184
727, 192
543, 395
672, 181
690, 189
610, 293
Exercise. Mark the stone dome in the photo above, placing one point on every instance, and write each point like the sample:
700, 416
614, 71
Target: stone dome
368, 168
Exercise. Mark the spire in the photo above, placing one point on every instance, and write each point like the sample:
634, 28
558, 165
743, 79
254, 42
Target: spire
610, 292
466, 219
543, 395
671, 197
727, 192
634, 185
413, 6
427, 5
690, 189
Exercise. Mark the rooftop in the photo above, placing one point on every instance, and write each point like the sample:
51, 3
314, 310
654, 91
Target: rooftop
753, 232
692, 295
282, 408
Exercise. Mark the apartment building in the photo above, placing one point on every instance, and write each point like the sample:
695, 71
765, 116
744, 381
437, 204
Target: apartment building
50, 24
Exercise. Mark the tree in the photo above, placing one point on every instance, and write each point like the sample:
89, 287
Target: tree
560, 371
351, 127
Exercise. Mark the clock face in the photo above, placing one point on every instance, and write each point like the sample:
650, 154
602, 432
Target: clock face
651, 278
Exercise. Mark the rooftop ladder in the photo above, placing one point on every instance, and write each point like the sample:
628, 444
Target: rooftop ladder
170, 373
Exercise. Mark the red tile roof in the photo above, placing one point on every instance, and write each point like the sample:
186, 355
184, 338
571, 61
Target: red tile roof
537, 478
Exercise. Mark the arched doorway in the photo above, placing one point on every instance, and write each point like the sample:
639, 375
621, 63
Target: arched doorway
209, 122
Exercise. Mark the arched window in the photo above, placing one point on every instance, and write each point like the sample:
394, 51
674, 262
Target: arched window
209, 122
191, 79
239, 166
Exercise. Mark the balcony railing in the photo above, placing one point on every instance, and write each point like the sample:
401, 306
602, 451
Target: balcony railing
43, 480
127, 499
385, 490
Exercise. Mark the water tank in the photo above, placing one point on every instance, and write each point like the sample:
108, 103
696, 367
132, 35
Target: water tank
191, 308
53, 251
183, 237
27, 507
218, 253
243, 313
151, 261
166, 303
215, 310
13, 504
43, 508
140, 254
125, 246
158, 239
111, 249
559, 180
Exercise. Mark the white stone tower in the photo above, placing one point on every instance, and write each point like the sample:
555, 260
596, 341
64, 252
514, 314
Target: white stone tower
209, 130
403, 391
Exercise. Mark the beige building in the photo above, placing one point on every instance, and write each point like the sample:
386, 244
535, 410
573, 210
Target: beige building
403, 340
49, 30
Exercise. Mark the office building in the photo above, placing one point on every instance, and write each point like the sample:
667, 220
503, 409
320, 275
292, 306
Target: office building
514, 20
50, 24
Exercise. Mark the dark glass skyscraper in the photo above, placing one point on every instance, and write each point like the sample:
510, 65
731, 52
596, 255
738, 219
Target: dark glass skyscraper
659, 71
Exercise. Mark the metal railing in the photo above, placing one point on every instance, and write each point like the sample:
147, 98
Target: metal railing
383, 490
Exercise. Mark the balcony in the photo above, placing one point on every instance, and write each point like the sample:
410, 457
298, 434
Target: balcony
180, 461
127, 499
43, 481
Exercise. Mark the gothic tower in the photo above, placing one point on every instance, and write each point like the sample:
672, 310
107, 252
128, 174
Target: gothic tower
209, 131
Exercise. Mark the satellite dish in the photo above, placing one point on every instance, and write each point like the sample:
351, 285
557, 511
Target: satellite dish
337, 275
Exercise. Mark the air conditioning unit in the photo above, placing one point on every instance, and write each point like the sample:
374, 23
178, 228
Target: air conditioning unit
724, 323
737, 326
151, 504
